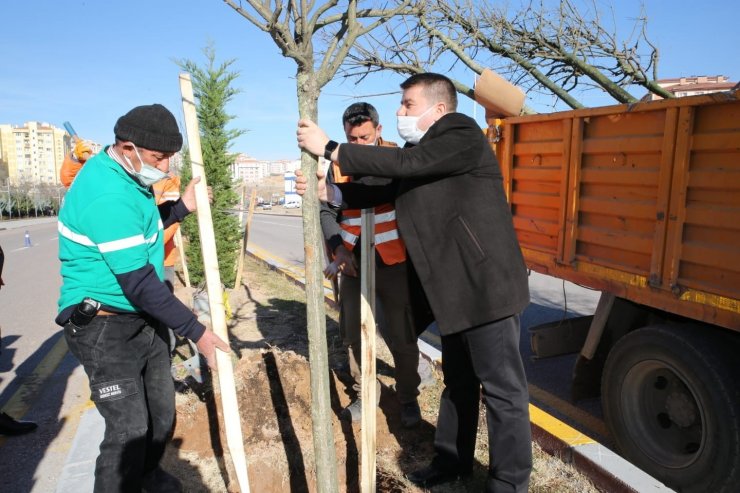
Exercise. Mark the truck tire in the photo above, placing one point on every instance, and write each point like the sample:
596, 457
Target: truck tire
672, 404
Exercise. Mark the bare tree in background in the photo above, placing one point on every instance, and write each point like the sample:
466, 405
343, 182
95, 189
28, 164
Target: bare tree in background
318, 37
552, 50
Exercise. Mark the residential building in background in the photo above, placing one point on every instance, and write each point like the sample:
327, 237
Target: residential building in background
251, 170
693, 85
33, 153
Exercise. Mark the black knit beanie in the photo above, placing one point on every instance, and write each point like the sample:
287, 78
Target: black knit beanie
152, 127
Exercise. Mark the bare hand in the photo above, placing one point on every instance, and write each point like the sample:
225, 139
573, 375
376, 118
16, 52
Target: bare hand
311, 138
188, 196
325, 194
207, 345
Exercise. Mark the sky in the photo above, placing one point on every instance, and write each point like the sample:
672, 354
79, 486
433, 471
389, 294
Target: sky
89, 62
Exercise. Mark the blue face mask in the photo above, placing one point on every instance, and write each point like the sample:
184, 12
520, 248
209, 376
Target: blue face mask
148, 175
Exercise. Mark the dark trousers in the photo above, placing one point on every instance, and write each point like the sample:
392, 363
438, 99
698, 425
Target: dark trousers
486, 357
128, 364
397, 328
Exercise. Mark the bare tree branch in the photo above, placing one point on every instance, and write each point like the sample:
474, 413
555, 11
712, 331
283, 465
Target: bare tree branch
552, 50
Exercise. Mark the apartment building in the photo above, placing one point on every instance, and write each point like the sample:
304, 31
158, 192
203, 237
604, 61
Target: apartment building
694, 85
32, 153
251, 170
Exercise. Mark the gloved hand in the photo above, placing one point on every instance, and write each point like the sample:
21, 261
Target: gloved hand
82, 150
344, 262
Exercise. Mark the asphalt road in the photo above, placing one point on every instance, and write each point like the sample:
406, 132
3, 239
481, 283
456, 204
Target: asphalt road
39, 379
28, 299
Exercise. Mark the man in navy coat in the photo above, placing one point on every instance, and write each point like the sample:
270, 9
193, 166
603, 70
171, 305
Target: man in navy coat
453, 215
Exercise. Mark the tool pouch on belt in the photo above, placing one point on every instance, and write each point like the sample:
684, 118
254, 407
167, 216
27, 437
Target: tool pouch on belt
84, 312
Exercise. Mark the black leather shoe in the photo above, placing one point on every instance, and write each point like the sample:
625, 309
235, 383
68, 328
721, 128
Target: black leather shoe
353, 412
160, 481
410, 414
432, 476
10, 426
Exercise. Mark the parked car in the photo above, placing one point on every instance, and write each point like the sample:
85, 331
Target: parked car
266, 206
292, 205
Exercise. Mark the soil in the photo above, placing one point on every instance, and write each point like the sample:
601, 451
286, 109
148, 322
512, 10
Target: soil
269, 338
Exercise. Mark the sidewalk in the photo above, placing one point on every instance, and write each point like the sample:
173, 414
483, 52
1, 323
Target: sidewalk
24, 223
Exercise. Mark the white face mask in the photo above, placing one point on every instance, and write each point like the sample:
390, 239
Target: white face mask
148, 175
408, 129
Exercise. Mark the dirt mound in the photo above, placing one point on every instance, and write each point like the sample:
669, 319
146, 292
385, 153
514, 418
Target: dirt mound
274, 397
268, 335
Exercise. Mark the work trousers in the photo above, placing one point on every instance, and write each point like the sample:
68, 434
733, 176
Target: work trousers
487, 357
397, 329
128, 364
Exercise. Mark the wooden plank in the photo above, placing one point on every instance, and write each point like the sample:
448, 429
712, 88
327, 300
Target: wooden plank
505, 145
719, 141
231, 418
711, 256
614, 207
553, 175
534, 148
619, 177
183, 260
596, 329
706, 100
245, 236
368, 389
618, 240
662, 199
564, 183
535, 226
572, 198
622, 145
710, 216
677, 201
538, 200
719, 179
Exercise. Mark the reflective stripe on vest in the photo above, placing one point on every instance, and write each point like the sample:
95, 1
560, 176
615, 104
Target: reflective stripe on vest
380, 238
388, 243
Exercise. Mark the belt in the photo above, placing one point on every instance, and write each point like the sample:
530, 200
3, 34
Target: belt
106, 314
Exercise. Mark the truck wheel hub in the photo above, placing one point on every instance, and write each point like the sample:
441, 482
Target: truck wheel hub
681, 409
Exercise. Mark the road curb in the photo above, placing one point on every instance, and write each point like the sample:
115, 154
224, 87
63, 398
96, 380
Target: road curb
606, 469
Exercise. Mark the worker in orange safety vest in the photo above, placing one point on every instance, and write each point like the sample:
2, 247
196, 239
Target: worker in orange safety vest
164, 191
341, 230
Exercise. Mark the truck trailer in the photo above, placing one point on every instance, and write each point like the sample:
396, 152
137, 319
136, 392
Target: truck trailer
642, 202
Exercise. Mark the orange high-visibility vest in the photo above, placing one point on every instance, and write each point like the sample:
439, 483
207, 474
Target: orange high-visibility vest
166, 190
388, 242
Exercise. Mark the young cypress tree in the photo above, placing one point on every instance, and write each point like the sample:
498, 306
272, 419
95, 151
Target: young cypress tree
212, 86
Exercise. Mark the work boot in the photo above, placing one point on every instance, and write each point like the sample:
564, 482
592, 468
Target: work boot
410, 414
160, 481
353, 412
11, 426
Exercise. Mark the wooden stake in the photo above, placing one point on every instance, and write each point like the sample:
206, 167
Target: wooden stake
183, 260
245, 236
225, 373
368, 389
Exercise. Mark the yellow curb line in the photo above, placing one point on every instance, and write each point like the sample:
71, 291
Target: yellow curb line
20, 402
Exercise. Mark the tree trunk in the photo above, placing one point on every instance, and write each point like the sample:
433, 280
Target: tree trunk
323, 438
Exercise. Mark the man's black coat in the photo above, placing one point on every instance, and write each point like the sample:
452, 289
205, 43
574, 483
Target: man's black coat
453, 216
